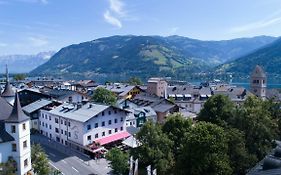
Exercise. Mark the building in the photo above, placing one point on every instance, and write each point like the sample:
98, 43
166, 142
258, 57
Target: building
122, 91
63, 95
84, 126
258, 82
8, 94
15, 136
157, 86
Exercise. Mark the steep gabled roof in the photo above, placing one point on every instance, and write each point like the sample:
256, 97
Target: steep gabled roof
8, 91
17, 115
258, 72
5, 109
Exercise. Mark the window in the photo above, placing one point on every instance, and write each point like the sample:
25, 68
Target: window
13, 128
46, 125
121, 128
102, 113
50, 136
61, 121
96, 125
61, 131
65, 133
14, 147
24, 126
40, 123
103, 124
69, 124
25, 162
65, 122
109, 122
103, 133
88, 127
25, 144
89, 138
115, 111
115, 120
116, 129
57, 130
56, 120
43, 124
96, 135
109, 112
109, 131
50, 126
69, 134
50, 118
121, 119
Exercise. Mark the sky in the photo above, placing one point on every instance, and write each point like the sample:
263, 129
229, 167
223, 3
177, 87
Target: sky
32, 26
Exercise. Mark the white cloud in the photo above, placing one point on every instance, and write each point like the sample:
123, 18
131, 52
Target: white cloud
112, 20
273, 19
38, 41
117, 6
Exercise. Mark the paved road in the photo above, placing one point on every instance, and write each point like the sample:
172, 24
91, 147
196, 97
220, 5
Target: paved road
70, 162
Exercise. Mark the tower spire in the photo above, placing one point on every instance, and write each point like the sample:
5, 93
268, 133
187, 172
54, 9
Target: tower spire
7, 73
17, 115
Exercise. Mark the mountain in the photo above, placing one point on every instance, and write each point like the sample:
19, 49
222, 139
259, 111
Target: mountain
24, 63
269, 57
122, 56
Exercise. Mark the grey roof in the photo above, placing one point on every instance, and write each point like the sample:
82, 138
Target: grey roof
83, 114
5, 109
36, 105
17, 115
59, 94
4, 135
163, 107
258, 72
8, 91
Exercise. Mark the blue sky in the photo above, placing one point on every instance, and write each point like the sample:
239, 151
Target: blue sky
32, 26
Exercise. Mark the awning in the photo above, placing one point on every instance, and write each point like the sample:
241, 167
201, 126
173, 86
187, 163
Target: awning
172, 95
179, 95
112, 138
132, 142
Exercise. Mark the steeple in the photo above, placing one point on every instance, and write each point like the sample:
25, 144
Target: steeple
8, 91
258, 82
17, 115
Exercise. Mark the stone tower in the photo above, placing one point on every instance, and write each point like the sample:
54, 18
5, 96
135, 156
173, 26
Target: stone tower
258, 82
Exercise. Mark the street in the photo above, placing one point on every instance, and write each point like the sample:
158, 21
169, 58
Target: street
68, 161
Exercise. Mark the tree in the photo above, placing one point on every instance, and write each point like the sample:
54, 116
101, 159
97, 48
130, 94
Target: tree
119, 161
156, 148
218, 110
257, 124
104, 96
204, 151
240, 158
176, 127
39, 160
135, 81
19, 77
8, 168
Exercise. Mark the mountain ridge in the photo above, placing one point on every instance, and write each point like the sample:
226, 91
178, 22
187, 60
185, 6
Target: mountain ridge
146, 56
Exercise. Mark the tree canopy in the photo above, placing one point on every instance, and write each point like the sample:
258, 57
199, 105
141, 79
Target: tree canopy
104, 96
118, 161
135, 81
39, 160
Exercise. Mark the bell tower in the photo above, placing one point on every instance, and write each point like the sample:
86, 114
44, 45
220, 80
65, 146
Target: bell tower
258, 82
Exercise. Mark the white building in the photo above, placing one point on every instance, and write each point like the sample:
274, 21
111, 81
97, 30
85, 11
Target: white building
83, 125
15, 136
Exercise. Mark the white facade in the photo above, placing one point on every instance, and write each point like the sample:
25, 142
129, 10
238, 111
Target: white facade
63, 129
20, 148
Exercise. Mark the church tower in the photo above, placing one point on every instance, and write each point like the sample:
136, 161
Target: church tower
258, 82
17, 125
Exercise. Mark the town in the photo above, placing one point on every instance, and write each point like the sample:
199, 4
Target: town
86, 119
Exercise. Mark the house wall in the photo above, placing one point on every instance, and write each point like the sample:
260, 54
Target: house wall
5, 151
78, 132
